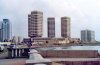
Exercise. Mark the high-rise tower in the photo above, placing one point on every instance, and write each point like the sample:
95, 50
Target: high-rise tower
87, 36
6, 30
51, 27
35, 20
65, 27
1, 31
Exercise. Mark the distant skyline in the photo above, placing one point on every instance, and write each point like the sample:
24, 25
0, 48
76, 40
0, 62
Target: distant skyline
84, 14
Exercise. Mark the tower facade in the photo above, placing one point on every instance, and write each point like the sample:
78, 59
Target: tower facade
6, 30
65, 27
51, 27
1, 31
87, 36
35, 20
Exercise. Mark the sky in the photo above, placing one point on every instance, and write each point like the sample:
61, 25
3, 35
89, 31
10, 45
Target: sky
84, 14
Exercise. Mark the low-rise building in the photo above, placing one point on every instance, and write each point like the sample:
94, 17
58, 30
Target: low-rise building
75, 40
50, 40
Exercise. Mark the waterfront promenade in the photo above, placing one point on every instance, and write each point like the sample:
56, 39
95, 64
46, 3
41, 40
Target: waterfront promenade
61, 57
56, 61
16, 61
56, 56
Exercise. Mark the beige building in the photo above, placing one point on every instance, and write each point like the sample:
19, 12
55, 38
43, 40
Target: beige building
35, 20
50, 40
65, 27
75, 40
51, 27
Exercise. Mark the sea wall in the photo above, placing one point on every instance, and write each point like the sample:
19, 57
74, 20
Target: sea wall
69, 53
78, 63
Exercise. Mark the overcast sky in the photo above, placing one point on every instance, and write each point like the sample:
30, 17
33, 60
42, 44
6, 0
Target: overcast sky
85, 14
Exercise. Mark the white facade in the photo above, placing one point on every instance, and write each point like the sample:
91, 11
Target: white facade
36, 59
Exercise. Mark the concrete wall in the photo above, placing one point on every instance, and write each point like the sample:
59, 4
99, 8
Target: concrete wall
69, 53
78, 63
